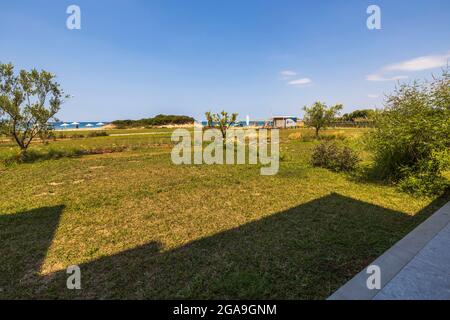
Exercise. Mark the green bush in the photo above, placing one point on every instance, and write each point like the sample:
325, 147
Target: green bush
424, 184
412, 135
334, 157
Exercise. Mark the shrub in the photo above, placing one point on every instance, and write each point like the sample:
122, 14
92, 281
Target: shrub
334, 157
94, 134
295, 136
330, 137
77, 136
424, 184
412, 135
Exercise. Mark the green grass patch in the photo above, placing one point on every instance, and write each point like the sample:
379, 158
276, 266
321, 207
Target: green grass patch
141, 227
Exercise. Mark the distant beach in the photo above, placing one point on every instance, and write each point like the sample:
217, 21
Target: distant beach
84, 126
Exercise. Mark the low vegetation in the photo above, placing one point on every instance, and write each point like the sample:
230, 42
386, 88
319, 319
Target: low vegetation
335, 157
411, 142
141, 227
159, 120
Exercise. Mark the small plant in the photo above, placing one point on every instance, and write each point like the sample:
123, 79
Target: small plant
334, 157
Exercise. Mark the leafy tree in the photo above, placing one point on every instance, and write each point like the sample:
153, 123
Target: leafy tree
368, 114
412, 137
320, 115
221, 120
27, 102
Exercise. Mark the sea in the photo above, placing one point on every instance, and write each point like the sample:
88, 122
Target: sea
70, 125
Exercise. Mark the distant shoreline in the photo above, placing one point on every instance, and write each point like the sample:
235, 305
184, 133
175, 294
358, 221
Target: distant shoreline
106, 127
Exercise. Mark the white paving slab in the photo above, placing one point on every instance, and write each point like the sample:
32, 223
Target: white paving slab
417, 267
426, 276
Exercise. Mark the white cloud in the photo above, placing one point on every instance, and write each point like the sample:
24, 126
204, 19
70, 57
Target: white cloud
300, 82
420, 63
416, 64
373, 96
288, 74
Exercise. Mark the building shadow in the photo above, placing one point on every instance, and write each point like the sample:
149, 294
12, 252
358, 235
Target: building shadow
24, 240
306, 252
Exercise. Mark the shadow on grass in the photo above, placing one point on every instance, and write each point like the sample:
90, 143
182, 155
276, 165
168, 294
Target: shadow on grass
368, 174
306, 252
24, 240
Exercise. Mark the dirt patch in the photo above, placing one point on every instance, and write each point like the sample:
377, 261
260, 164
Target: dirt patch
54, 184
96, 167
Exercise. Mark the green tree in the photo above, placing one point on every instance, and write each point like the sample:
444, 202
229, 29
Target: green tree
28, 101
320, 115
221, 120
368, 114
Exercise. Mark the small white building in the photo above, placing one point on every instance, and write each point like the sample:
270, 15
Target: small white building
283, 122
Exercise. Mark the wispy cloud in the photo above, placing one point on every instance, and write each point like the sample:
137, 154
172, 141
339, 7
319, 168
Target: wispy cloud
416, 64
300, 82
380, 77
286, 74
420, 63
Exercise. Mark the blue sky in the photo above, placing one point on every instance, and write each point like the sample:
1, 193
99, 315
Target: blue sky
137, 58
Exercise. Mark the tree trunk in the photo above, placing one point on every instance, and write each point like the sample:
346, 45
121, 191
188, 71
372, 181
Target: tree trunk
22, 153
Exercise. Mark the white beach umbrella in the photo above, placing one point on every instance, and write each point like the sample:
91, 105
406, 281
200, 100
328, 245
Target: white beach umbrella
75, 123
89, 125
65, 125
100, 124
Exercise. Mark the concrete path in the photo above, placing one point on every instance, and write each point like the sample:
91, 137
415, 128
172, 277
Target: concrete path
416, 268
